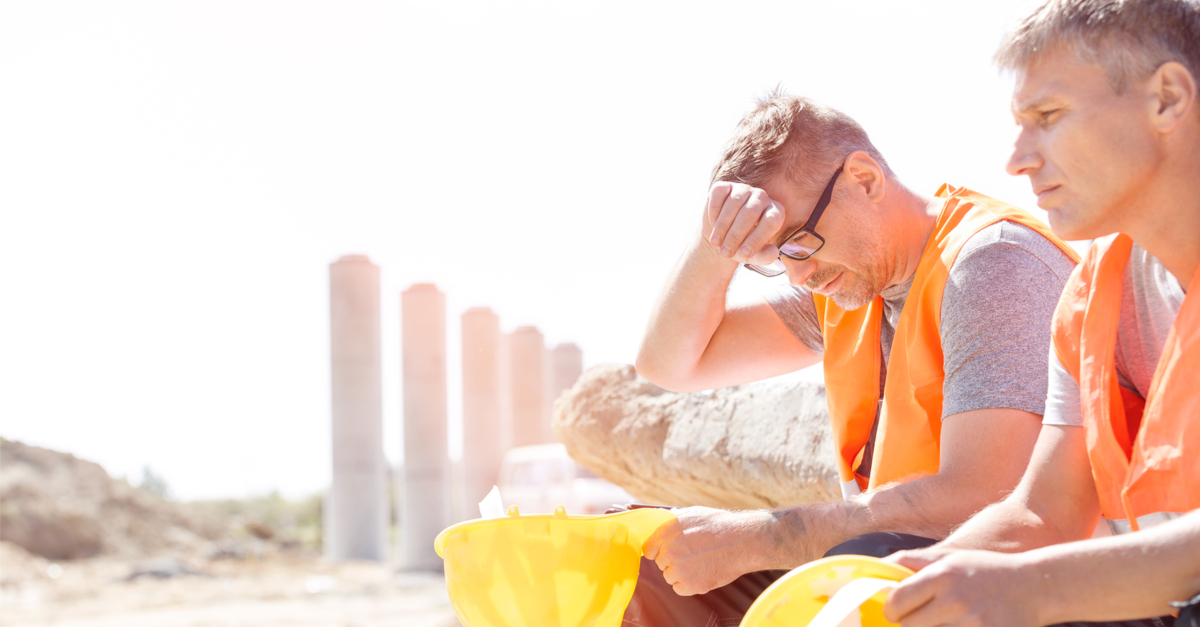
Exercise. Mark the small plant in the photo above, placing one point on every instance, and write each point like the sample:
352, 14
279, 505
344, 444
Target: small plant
155, 484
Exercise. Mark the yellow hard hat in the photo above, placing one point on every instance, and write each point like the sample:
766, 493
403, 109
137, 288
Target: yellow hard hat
546, 570
799, 596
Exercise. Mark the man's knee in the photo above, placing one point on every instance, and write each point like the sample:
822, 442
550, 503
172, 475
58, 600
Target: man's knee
880, 544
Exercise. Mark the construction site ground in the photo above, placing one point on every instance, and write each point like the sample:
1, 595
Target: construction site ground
281, 590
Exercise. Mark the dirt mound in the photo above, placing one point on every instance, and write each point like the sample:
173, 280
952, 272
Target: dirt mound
61, 507
18, 565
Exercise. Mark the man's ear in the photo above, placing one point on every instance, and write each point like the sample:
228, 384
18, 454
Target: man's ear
866, 172
1172, 91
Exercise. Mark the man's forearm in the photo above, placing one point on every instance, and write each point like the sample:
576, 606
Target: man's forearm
928, 506
1055, 502
1122, 578
685, 317
1010, 526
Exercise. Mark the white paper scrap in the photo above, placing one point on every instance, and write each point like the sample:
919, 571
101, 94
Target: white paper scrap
491, 506
842, 608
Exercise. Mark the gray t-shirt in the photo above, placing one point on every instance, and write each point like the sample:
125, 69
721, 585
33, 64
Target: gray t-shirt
1150, 301
996, 310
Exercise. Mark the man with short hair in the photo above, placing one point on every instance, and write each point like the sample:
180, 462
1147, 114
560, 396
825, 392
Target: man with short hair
931, 315
1106, 100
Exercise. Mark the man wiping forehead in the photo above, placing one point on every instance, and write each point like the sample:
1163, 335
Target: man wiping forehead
930, 313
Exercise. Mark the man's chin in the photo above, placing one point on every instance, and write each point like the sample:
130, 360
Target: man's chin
1068, 226
853, 290
851, 301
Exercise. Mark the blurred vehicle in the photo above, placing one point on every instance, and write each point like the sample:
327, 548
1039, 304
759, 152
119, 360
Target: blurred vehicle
541, 477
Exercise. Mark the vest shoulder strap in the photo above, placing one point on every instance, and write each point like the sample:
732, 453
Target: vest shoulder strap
1067, 324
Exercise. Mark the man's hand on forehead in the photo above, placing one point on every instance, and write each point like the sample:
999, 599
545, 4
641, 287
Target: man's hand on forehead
742, 223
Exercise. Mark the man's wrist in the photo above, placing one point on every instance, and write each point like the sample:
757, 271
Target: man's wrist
790, 536
710, 253
770, 544
1041, 590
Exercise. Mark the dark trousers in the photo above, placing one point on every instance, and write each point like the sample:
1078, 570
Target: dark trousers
1190, 615
655, 603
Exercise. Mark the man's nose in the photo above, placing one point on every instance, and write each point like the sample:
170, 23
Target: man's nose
1025, 157
798, 272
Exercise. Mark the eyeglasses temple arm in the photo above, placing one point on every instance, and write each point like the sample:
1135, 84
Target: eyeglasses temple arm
826, 196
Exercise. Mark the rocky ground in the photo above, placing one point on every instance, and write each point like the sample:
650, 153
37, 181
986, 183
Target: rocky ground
78, 548
283, 590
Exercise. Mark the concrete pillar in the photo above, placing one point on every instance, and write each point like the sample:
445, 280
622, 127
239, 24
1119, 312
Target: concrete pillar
529, 379
487, 421
425, 511
356, 514
506, 389
566, 366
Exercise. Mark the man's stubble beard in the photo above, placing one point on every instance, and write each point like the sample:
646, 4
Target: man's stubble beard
862, 292
861, 285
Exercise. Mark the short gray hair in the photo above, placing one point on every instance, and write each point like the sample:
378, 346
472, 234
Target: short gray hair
793, 136
1129, 39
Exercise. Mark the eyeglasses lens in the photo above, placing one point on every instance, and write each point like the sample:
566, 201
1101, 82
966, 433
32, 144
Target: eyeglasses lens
801, 246
774, 268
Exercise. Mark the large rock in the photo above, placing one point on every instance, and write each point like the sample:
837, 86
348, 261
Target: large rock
758, 445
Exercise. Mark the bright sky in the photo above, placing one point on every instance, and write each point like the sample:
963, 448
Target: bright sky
175, 178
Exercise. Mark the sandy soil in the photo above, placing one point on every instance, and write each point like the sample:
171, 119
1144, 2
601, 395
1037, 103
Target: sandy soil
284, 590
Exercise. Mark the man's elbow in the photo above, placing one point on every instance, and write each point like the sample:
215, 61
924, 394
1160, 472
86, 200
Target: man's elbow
662, 375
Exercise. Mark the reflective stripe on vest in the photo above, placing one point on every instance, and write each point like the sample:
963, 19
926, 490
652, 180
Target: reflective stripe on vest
910, 419
1120, 526
1145, 455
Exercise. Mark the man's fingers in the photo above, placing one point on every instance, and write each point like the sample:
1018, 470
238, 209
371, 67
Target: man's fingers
716, 199
916, 559
765, 255
681, 587
683, 591
670, 576
729, 212
735, 239
652, 548
751, 214
660, 548
932, 614
757, 244
652, 545
744, 220
913, 593
662, 562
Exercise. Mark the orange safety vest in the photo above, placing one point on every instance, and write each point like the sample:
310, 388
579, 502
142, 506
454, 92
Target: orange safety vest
910, 420
1136, 446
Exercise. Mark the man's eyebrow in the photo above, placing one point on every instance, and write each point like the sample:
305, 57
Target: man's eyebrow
1029, 104
786, 233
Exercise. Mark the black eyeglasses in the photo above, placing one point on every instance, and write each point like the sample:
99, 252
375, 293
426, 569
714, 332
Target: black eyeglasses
804, 241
